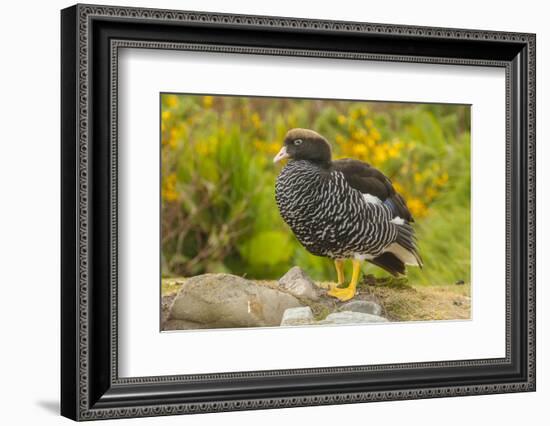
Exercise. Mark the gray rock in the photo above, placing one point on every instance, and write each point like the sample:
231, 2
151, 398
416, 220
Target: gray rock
298, 316
224, 301
297, 282
363, 306
166, 304
349, 317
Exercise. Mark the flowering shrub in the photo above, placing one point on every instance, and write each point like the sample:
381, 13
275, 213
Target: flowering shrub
217, 186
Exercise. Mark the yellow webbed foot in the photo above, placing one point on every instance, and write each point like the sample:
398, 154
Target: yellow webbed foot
348, 293
342, 294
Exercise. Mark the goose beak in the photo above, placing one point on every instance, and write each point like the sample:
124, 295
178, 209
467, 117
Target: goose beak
282, 154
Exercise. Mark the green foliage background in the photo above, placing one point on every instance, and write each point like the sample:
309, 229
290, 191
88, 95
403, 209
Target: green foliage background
218, 207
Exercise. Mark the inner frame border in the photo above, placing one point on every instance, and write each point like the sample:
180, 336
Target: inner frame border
115, 47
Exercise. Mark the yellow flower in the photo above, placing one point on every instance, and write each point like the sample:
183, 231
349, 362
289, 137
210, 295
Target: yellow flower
172, 101
442, 180
340, 139
166, 115
173, 139
273, 147
370, 142
417, 177
357, 135
342, 119
359, 149
417, 207
207, 101
169, 192
393, 152
369, 123
375, 134
380, 155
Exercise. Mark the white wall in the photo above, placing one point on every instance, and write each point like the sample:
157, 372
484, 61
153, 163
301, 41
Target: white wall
29, 225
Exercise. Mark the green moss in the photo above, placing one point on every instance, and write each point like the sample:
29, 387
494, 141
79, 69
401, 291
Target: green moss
171, 285
385, 281
320, 311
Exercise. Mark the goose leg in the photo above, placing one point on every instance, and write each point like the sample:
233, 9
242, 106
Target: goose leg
339, 264
348, 293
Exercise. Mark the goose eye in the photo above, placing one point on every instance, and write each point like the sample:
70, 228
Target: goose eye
298, 141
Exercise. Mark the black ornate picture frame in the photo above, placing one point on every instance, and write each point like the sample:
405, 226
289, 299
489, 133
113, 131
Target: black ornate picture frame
91, 387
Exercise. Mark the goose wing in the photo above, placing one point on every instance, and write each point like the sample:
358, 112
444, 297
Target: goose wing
371, 182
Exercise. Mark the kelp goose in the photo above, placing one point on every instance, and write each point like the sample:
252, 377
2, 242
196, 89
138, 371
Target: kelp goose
343, 209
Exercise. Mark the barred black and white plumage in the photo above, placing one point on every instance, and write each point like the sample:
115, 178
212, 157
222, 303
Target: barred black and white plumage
328, 216
343, 209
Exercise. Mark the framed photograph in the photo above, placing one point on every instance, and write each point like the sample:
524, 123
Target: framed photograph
263, 212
